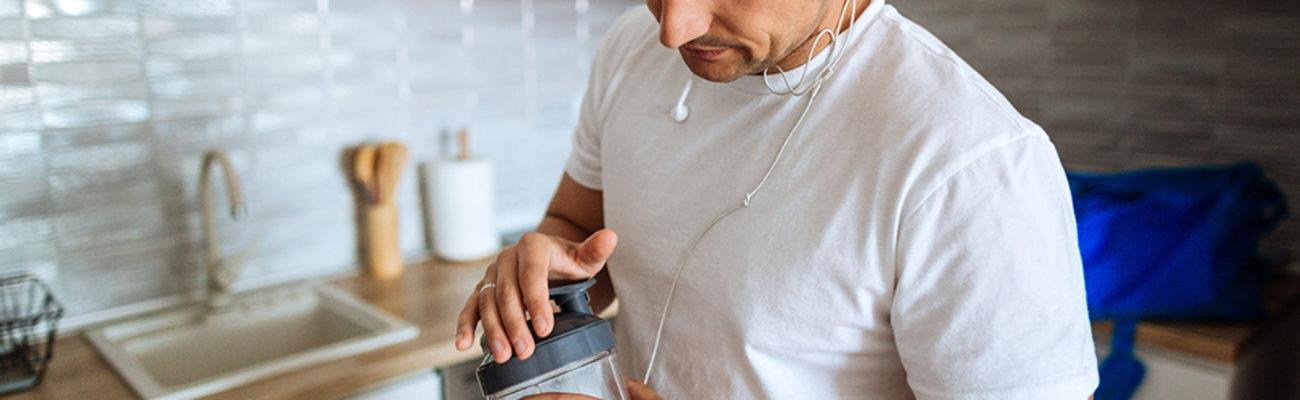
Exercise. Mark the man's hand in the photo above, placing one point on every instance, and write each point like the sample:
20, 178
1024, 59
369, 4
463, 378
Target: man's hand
635, 390
521, 274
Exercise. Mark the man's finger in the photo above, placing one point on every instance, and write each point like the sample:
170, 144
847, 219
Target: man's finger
593, 252
639, 391
511, 307
465, 324
535, 256
492, 330
497, 341
469, 315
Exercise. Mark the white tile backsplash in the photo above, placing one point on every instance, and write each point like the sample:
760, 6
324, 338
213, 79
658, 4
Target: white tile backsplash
107, 105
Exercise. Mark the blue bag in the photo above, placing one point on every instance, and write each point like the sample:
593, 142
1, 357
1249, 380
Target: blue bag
1176, 243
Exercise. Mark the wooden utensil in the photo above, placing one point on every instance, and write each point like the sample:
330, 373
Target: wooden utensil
462, 152
363, 172
390, 161
380, 251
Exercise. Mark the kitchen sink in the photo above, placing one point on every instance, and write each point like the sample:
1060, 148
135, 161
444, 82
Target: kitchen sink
189, 352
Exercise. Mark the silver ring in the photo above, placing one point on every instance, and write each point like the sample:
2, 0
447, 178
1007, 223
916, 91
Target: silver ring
486, 286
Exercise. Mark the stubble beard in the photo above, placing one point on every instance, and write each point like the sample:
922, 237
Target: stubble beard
810, 34
747, 64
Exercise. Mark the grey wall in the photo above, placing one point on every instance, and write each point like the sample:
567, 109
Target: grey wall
106, 107
1122, 84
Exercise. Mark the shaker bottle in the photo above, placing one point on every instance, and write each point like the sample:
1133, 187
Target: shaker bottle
577, 357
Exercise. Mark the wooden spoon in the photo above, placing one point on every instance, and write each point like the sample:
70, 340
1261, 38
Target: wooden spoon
462, 152
363, 171
390, 162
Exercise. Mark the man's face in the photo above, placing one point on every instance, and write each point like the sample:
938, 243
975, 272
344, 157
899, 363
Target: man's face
723, 40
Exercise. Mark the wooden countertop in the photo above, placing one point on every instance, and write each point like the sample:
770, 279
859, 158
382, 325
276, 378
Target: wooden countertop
1222, 342
429, 295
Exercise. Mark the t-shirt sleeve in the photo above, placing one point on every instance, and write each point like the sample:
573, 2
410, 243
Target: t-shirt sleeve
989, 302
584, 163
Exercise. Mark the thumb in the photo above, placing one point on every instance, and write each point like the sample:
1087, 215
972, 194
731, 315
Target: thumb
639, 391
593, 252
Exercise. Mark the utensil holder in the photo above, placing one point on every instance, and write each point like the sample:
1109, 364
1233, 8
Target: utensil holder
380, 252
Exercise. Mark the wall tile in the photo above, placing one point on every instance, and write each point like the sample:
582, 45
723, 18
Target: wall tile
1132, 84
107, 108
104, 117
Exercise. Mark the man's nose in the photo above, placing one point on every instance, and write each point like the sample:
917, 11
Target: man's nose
681, 21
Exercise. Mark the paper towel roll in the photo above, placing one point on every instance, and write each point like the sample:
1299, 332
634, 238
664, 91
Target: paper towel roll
461, 209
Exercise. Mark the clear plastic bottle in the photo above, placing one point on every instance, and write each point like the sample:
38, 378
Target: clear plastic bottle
594, 376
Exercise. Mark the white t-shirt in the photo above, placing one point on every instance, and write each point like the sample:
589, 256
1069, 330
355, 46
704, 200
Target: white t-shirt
917, 240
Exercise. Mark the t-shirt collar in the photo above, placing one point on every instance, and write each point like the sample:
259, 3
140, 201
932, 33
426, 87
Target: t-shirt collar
754, 83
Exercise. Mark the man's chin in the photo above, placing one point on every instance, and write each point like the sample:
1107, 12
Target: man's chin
713, 70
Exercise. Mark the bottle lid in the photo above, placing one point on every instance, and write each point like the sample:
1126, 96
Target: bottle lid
578, 334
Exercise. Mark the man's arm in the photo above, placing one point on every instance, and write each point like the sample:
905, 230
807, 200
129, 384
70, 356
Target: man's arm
989, 297
575, 213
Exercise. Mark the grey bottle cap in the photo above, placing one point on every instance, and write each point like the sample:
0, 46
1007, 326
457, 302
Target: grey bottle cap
578, 334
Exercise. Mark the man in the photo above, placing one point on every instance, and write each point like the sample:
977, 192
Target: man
897, 231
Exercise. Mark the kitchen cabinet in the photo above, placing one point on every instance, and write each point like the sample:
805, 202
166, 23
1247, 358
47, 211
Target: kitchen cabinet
459, 382
1194, 361
425, 385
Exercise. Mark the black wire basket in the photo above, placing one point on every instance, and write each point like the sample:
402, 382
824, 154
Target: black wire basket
29, 316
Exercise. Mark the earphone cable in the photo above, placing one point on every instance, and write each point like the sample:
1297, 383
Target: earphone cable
672, 288
836, 53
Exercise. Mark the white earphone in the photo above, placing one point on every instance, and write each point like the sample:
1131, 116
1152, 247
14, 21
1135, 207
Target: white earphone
680, 113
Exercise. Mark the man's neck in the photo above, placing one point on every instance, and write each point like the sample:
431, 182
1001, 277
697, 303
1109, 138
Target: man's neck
799, 56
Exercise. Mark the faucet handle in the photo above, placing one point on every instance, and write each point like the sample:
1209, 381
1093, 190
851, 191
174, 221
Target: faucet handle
238, 210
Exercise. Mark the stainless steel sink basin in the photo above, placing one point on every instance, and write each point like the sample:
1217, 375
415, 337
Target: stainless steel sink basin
188, 352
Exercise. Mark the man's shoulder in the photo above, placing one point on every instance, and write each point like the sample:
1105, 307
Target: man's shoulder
630, 33
636, 20
925, 79
629, 48
928, 104
924, 91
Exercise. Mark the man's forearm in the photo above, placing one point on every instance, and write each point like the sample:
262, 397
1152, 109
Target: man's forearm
602, 294
556, 225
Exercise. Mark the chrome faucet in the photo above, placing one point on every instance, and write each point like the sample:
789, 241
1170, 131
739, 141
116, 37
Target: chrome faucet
221, 274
